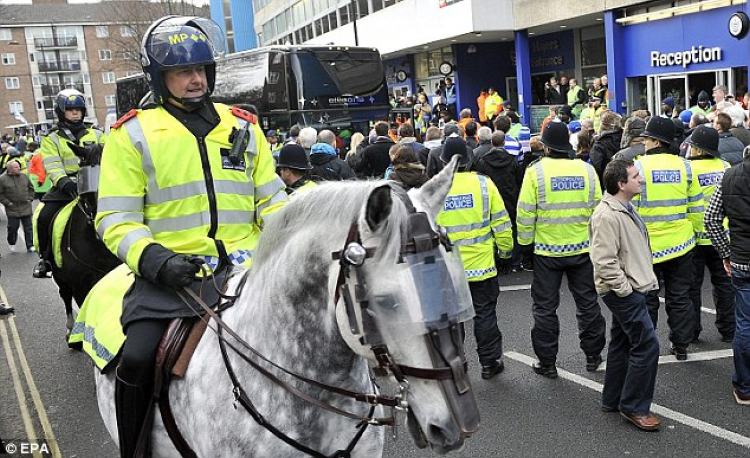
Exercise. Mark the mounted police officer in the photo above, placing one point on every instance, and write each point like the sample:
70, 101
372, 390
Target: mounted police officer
184, 186
294, 168
557, 198
62, 150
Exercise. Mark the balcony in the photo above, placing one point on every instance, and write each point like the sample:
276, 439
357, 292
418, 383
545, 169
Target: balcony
51, 90
59, 66
56, 42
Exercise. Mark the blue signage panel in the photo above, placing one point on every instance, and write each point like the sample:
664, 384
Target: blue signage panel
691, 42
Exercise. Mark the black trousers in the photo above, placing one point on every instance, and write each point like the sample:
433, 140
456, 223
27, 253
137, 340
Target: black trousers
139, 351
484, 295
44, 226
545, 293
13, 223
677, 275
706, 256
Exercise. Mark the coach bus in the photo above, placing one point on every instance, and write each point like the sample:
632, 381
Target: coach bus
318, 86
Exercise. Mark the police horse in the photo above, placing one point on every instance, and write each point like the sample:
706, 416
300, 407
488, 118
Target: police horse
345, 274
85, 258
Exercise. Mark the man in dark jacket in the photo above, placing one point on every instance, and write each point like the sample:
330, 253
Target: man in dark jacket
485, 141
375, 157
434, 164
730, 148
608, 143
632, 140
505, 171
16, 195
327, 165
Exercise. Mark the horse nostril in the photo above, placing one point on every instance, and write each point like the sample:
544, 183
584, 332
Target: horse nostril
441, 436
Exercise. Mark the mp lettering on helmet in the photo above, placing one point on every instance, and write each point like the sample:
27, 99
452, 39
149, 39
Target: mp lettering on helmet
72, 98
459, 202
665, 176
568, 183
178, 38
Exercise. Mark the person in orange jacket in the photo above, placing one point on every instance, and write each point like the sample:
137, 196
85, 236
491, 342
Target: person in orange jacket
480, 103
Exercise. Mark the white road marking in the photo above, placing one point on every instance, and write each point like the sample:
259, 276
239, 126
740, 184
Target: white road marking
686, 420
703, 309
27, 423
515, 287
692, 357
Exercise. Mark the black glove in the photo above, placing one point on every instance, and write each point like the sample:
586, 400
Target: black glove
179, 271
90, 153
504, 266
68, 186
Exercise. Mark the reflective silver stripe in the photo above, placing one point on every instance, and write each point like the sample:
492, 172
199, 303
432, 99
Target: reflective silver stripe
191, 221
473, 241
564, 220
51, 160
663, 218
485, 197
592, 184
234, 187
643, 197
541, 189
663, 203
566, 205
138, 139
55, 139
498, 215
527, 207
119, 204
502, 227
133, 236
525, 221
182, 191
280, 196
116, 218
689, 170
695, 198
268, 189
466, 227
69, 162
698, 209
525, 235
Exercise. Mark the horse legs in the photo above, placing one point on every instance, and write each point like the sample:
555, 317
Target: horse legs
67, 296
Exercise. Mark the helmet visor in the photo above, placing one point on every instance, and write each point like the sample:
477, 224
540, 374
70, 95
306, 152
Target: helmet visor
177, 41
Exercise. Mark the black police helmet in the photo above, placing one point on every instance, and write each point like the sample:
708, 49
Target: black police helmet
555, 136
661, 129
705, 138
293, 156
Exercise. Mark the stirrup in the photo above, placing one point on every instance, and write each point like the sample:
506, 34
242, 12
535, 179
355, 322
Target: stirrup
43, 269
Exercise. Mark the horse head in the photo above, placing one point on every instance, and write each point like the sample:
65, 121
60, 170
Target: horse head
402, 300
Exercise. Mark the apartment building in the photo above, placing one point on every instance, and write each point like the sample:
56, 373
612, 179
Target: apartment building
51, 45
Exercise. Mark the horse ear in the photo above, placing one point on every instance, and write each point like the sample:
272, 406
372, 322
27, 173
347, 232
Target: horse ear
433, 193
379, 205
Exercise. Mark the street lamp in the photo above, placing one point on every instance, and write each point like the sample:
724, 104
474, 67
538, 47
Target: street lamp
355, 14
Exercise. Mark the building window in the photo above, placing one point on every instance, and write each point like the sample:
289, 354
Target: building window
12, 82
9, 58
36, 81
85, 78
5, 34
362, 9
110, 100
102, 31
15, 107
593, 54
105, 54
39, 105
344, 15
108, 77
126, 31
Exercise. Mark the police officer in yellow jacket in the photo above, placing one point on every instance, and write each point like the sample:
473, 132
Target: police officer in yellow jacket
293, 167
475, 218
708, 169
62, 151
671, 205
177, 194
557, 198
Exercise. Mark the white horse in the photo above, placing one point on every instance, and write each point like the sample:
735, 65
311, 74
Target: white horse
286, 311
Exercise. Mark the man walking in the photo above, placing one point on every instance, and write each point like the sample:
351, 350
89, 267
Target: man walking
623, 275
16, 195
557, 198
732, 199
671, 204
477, 223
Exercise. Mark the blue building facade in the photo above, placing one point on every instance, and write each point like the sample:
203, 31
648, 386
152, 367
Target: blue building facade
236, 19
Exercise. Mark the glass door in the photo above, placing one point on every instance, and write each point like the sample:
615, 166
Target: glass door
674, 86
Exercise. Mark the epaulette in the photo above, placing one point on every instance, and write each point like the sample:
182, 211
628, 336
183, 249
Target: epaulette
244, 114
125, 118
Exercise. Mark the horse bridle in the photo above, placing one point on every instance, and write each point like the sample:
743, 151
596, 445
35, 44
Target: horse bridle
419, 238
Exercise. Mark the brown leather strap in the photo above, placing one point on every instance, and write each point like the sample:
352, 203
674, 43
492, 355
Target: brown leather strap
171, 426
193, 339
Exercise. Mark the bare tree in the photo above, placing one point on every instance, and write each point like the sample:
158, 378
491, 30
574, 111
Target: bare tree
135, 16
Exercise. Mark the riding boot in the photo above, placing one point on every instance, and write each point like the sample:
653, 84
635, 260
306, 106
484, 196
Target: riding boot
43, 269
132, 404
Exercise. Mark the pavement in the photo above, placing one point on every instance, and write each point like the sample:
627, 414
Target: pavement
47, 391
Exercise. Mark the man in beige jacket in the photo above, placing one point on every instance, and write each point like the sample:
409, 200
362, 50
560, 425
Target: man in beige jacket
623, 274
